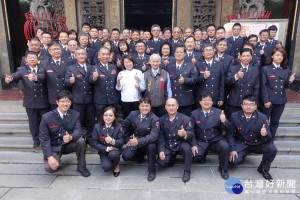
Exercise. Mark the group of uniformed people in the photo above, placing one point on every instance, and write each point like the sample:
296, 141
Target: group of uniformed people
176, 95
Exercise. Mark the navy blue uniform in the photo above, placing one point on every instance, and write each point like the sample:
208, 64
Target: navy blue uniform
52, 130
70, 57
105, 93
183, 93
248, 85
267, 52
154, 45
91, 55
132, 47
171, 60
146, 131
214, 83
139, 61
173, 44
82, 95
171, 143
35, 98
96, 45
273, 85
45, 51
55, 76
109, 160
245, 137
227, 61
209, 41
194, 54
236, 45
208, 134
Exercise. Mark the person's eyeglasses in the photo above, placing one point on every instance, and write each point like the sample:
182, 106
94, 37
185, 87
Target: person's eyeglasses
65, 101
249, 104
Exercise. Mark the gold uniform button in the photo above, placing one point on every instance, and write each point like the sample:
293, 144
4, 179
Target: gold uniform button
276, 86
275, 92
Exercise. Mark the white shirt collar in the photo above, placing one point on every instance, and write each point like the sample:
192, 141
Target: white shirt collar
220, 55
55, 61
104, 65
179, 64
60, 113
210, 62
277, 66
244, 66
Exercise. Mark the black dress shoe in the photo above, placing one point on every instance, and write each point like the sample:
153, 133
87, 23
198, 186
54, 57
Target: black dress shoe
224, 173
186, 176
36, 145
85, 173
265, 174
151, 176
202, 160
116, 174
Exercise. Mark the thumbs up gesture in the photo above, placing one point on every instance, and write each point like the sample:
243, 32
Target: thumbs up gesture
181, 132
223, 117
95, 75
206, 73
136, 77
8, 79
118, 62
261, 52
194, 59
120, 76
108, 139
166, 62
181, 79
137, 85
148, 50
263, 130
197, 47
144, 67
72, 79
67, 137
240, 74
292, 78
32, 76
133, 141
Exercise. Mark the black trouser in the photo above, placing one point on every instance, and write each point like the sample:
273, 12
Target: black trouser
221, 147
273, 113
268, 150
74, 146
127, 107
34, 117
130, 153
186, 110
184, 150
100, 107
87, 117
232, 109
110, 160
159, 111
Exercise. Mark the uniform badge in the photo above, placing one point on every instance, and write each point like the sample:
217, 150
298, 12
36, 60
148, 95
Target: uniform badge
121, 129
190, 124
164, 126
202, 72
272, 76
195, 69
151, 48
53, 126
171, 75
78, 75
198, 122
101, 137
102, 75
268, 122
161, 79
239, 128
49, 70
157, 124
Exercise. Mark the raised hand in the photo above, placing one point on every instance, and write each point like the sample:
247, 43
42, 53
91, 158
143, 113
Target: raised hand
223, 117
181, 79
162, 155
181, 132
67, 137
166, 62
194, 59
263, 130
267, 105
8, 79
144, 67
72, 79
240, 74
134, 141
95, 75
292, 78
206, 73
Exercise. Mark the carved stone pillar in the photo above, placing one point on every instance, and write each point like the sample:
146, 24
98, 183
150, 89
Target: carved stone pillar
184, 13
70, 13
112, 14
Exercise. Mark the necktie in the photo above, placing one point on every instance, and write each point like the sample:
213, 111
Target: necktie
233, 38
57, 63
177, 67
84, 68
206, 115
34, 71
245, 69
106, 66
64, 116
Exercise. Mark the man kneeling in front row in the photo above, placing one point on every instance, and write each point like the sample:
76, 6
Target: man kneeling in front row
60, 133
250, 132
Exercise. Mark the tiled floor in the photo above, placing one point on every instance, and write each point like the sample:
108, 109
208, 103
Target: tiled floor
15, 95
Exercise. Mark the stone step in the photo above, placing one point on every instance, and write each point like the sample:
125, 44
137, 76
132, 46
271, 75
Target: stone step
11, 107
24, 143
13, 118
291, 109
15, 129
288, 133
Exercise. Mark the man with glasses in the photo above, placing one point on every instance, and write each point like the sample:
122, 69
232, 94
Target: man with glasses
236, 40
54, 69
154, 44
141, 59
250, 132
60, 133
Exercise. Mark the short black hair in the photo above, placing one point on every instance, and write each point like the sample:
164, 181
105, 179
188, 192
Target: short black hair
246, 50
167, 29
222, 40
189, 37
30, 53
273, 28
53, 43
115, 29
46, 33
221, 28
86, 24
209, 25
94, 27
252, 36
145, 100
249, 98
63, 95
263, 31
207, 45
73, 40
140, 41
179, 46
237, 24
205, 94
